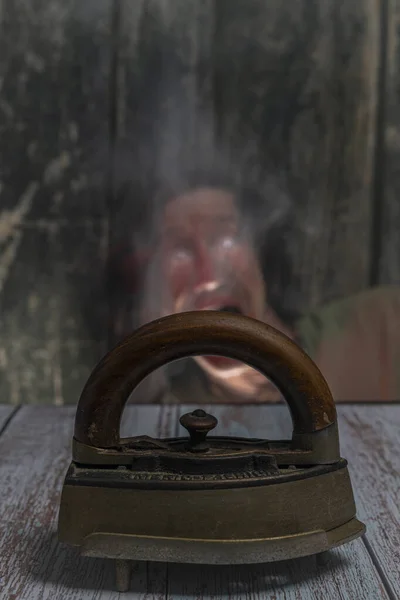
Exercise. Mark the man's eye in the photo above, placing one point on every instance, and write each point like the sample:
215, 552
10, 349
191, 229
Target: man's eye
227, 243
180, 255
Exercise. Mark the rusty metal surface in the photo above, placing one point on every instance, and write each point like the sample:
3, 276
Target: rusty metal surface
204, 498
225, 552
321, 502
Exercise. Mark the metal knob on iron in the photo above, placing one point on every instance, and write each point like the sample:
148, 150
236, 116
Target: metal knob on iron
199, 424
255, 500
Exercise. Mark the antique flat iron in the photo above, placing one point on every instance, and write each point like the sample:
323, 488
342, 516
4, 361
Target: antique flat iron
204, 499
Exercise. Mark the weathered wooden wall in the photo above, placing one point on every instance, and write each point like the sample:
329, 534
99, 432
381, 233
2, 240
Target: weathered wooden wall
97, 92
387, 218
55, 65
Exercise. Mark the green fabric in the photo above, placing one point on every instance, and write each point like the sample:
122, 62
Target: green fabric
356, 343
333, 319
328, 321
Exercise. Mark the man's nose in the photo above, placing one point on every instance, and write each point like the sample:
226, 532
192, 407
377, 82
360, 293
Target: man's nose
205, 268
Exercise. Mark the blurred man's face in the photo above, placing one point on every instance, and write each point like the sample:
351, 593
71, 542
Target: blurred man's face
207, 261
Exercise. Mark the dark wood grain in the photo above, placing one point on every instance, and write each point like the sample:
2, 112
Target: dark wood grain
54, 66
36, 450
387, 247
305, 88
281, 89
164, 113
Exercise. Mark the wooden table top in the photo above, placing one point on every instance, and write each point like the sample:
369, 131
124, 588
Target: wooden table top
35, 446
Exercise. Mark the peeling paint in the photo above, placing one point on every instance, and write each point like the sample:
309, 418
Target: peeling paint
3, 358
73, 131
10, 220
77, 185
36, 62
15, 390
56, 168
58, 198
32, 148
7, 258
33, 303
52, 227
57, 382
7, 109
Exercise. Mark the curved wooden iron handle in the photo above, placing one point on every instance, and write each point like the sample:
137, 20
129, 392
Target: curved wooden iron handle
195, 333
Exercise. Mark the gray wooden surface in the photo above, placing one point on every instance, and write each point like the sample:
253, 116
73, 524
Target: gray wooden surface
6, 413
35, 451
370, 440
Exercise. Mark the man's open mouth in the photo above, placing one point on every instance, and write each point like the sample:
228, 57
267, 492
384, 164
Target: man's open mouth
231, 309
219, 300
223, 304
228, 306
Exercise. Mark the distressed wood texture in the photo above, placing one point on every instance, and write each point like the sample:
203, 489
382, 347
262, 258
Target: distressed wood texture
287, 88
370, 441
300, 77
163, 107
388, 207
54, 71
36, 450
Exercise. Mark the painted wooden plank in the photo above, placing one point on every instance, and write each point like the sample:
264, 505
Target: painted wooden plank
309, 62
54, 68
370, 441
164, 93
35, 452
386, 246
348, 573
287, 88
6, 412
